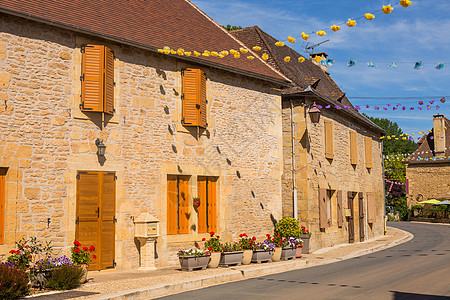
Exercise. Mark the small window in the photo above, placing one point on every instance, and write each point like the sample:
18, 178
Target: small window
178, 211
368, 150
193, 98
329, 149
97, 79
207, 210
353, 148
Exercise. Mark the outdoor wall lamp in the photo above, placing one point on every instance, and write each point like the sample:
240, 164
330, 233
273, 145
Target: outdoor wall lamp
314, 113
101, 148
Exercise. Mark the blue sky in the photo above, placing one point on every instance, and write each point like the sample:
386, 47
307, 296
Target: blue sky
418, 32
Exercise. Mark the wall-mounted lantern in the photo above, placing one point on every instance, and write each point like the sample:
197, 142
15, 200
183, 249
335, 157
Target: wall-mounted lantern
314, 113
101, 148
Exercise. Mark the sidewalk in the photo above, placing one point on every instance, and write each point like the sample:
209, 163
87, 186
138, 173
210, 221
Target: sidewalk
147, 285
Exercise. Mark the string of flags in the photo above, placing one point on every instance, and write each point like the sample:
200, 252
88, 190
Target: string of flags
393, 182
416, 65
410, 136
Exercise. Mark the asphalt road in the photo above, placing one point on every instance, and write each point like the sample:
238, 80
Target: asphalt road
418, 269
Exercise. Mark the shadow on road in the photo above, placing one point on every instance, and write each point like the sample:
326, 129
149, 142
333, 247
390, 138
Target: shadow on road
412, 296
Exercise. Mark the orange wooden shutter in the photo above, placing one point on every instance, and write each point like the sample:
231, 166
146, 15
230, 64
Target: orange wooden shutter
192, 97
92, 87
371, 217
184, 211
339, 209
109, 81
203, 110
368, 148
323, 208
88, 202
2, 207
329, 139
202, 209
212, 204
353, 148
172, 205
107, 219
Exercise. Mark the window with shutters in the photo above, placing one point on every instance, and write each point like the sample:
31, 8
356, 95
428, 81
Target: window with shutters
329, 148
97, 79
353, 148
368, 152
325, 216
207, 211
193, 97
2, 205
178, 210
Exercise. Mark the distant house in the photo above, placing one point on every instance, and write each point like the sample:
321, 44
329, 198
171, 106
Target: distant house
332, 174
428, 168
79, 76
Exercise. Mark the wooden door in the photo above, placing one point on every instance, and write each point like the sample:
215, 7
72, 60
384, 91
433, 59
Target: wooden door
178, 209
2, 206
361, 217
351, 224
95, 221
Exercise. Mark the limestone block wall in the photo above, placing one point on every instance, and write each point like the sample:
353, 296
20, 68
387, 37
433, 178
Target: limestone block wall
45, 140
314, 171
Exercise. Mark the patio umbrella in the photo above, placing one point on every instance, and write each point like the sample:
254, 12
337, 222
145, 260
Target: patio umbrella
430, 201
443, 202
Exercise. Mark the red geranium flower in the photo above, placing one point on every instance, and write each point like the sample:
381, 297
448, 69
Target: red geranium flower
94, 256
92, 248
76, 250
85, 249
76, 243
12, 251
253, 238
240, 235
209, 248
218, 237
211, 233
203, 239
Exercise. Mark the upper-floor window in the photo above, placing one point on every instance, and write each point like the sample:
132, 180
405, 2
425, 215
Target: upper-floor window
193, 98
329, 148
353, 148
368, 150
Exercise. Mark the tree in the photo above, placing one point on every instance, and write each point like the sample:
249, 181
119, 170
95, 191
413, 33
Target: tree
231, 28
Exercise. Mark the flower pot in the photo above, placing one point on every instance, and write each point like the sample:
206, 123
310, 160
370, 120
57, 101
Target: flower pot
288, 253
215, 259
298, 251
305, 238
84, 267
192, 262
277, 254
231, 258
261, 255
247, 257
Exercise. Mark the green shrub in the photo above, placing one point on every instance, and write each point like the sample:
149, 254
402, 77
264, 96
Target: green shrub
13, 282
65, 277
288, 227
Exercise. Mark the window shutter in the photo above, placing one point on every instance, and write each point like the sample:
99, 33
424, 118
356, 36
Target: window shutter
184, 212
212, 205
194, 97
203, 110
172, 205
339, 209
323, 222
353, 148
92, 87
368, 148
202, 209
2, 208
371, 217
329, 139
109, 81
107, 218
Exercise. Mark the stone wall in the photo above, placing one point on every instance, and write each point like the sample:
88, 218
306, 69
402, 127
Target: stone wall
314, 171
45, 139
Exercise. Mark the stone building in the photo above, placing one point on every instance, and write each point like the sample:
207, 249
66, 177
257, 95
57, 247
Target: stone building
79, 76
332, 174
428, 168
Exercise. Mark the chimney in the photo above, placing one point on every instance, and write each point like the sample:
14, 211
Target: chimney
439, 135
323, 57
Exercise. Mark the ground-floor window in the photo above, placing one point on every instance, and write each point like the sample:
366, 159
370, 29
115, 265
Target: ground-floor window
207, 210
178, 211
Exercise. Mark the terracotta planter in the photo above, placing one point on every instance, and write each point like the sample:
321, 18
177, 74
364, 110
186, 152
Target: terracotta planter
260, 256
192, 262
288, 253
215, 259
276, 256
231, 258
305, 238
298, 252
84, 267
247, 257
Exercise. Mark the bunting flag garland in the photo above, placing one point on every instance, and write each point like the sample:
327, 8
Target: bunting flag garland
410, 136
418, 65
440, 66
351, 63
392, 65
372, 64
412, 157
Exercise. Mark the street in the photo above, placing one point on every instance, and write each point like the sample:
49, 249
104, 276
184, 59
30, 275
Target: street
418, 269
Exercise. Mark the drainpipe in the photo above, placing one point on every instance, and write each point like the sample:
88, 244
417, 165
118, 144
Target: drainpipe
294, 188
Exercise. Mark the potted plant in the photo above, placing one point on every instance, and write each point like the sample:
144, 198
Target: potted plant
82, 257
196, 202
290, 247
247, 244
278, 242
305, 236
231, 254
194, 258
215, 248
263, 252
287, 228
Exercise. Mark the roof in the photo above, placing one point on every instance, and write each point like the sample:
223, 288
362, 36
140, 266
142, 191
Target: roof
426, 147
150, 24
302, 74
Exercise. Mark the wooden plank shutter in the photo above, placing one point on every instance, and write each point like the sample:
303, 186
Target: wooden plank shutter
339, 209
351, 222
203, 110
371, 217
172, 205
353, 148
329, 139
202, 209
323, 222
87, 227
2, 207
92, 86
368, 148
107, 219
191, 97
212, 204
184, 212
361, 216
109, 81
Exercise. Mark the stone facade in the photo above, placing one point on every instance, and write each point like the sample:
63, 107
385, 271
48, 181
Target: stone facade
46, 139
313, 171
